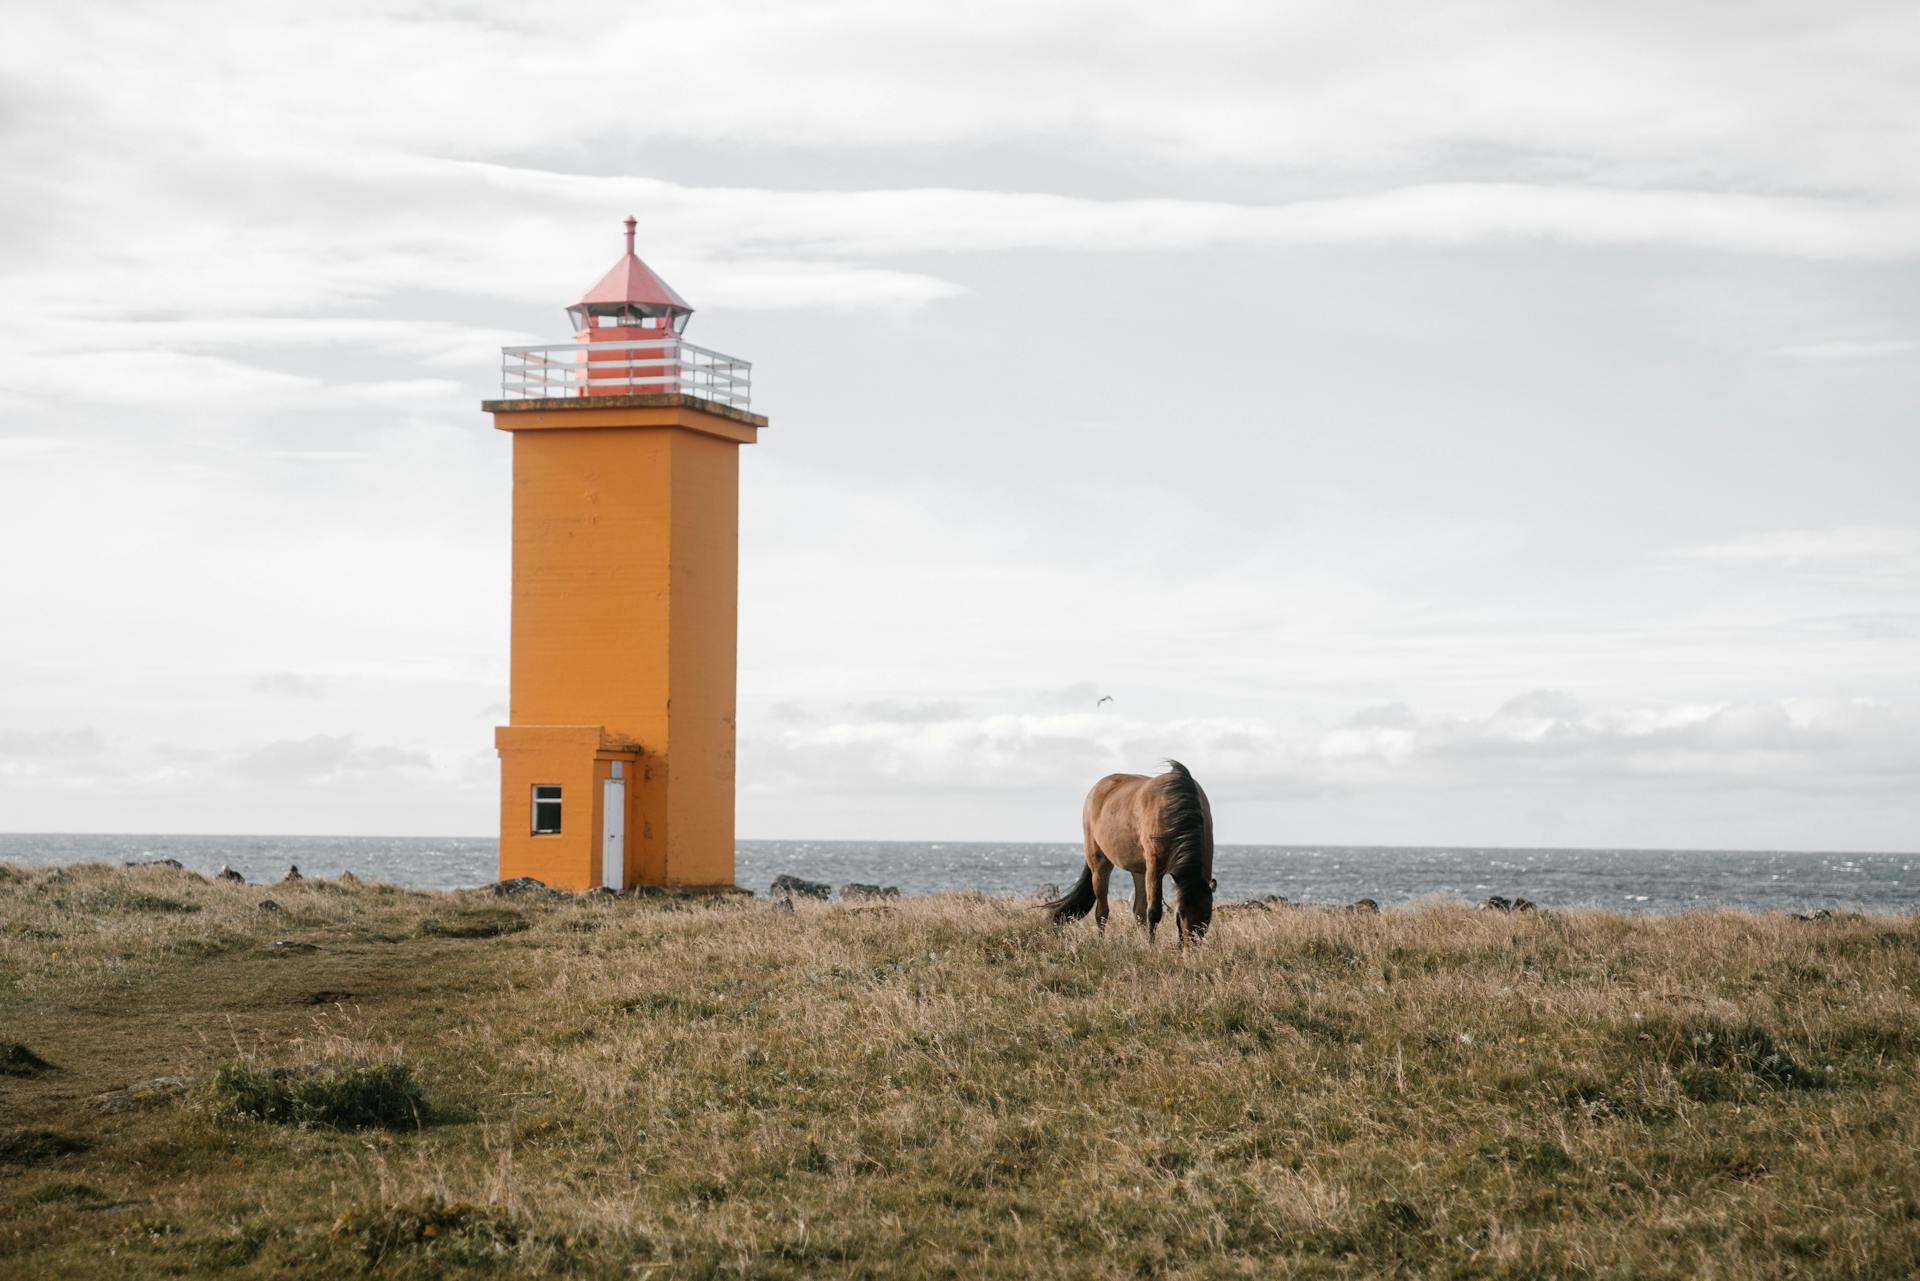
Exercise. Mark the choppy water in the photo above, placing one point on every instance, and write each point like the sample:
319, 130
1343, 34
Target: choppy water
1626, 880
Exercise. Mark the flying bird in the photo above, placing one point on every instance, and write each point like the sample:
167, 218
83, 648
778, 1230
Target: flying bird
1104, 698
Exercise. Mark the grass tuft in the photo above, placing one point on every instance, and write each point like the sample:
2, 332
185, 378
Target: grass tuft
1711, 1055
374, 1096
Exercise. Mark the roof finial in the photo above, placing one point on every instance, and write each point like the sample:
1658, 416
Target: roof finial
631, 224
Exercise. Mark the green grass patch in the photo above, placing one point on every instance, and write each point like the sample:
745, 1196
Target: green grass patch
1713, 1057
374, 1096
66, 1192
34, 1146
480, 923
457, 1233
126, 901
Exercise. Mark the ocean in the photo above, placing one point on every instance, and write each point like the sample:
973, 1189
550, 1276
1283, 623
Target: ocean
1623, 880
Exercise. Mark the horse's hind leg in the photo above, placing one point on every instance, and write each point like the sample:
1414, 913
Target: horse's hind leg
1139, 897
1102, 873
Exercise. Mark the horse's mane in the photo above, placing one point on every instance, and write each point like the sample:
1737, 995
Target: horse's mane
1183, 830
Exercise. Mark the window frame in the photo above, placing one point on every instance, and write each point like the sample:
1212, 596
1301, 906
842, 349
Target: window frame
557, 801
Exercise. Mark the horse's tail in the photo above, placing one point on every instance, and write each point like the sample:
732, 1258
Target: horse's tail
1075, 903
1183, 826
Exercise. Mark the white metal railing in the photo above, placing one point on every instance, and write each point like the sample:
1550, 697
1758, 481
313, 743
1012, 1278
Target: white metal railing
648, 366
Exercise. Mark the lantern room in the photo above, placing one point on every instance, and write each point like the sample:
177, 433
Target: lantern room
630, 302
628, 341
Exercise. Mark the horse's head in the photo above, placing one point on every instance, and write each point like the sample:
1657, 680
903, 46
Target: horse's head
1195, 911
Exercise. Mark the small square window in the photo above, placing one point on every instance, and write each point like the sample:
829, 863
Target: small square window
546, 809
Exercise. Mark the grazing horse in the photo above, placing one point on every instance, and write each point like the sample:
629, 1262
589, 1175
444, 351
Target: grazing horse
1152, 827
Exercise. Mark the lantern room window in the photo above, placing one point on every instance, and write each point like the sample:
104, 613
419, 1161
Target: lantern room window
546, 809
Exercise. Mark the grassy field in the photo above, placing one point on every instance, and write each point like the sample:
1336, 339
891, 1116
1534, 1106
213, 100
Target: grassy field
940, 1087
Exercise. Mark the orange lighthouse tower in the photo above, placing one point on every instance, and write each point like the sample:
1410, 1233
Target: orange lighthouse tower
616, 766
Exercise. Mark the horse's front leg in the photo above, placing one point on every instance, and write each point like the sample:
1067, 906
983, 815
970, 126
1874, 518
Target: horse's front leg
1102, 873
1155, 908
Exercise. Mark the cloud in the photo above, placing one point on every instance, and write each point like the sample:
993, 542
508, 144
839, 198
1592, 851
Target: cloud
44, 743
290, 684
909, 711
747, 221
1629, 92
772, 285
1896, 627
20, 449
149, 379
318, 455
1794, 742
1791, 742
323, 758
985, 752
425, 340
1892, 550
1842, 350
252, 188
1391, 716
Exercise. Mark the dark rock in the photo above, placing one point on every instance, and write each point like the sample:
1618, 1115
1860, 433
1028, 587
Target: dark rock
1824, 914
268, 905
228, 874
1523, 905
1495, 903
783, 904
860, 890
173, 863
17, 1060
793, 886
519, 885
602, 891
1363, 905
291, 947
293, 874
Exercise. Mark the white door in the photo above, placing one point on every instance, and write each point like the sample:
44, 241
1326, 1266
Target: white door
613, 852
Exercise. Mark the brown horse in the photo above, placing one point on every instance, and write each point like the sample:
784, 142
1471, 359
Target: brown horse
1152, 827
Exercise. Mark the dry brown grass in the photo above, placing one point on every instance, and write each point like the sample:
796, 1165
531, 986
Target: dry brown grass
950, 1086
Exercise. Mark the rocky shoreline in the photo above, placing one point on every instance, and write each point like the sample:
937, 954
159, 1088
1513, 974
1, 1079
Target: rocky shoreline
787, 889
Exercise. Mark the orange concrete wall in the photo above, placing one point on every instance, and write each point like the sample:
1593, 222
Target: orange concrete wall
592, 518
561, 755
703, 657
625, 620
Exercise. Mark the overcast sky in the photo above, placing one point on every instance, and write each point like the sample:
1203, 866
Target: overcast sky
1434, 422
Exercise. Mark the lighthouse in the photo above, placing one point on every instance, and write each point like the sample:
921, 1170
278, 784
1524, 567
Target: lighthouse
617, 761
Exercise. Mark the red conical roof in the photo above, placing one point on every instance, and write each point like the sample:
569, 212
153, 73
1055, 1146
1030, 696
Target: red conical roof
633, 281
